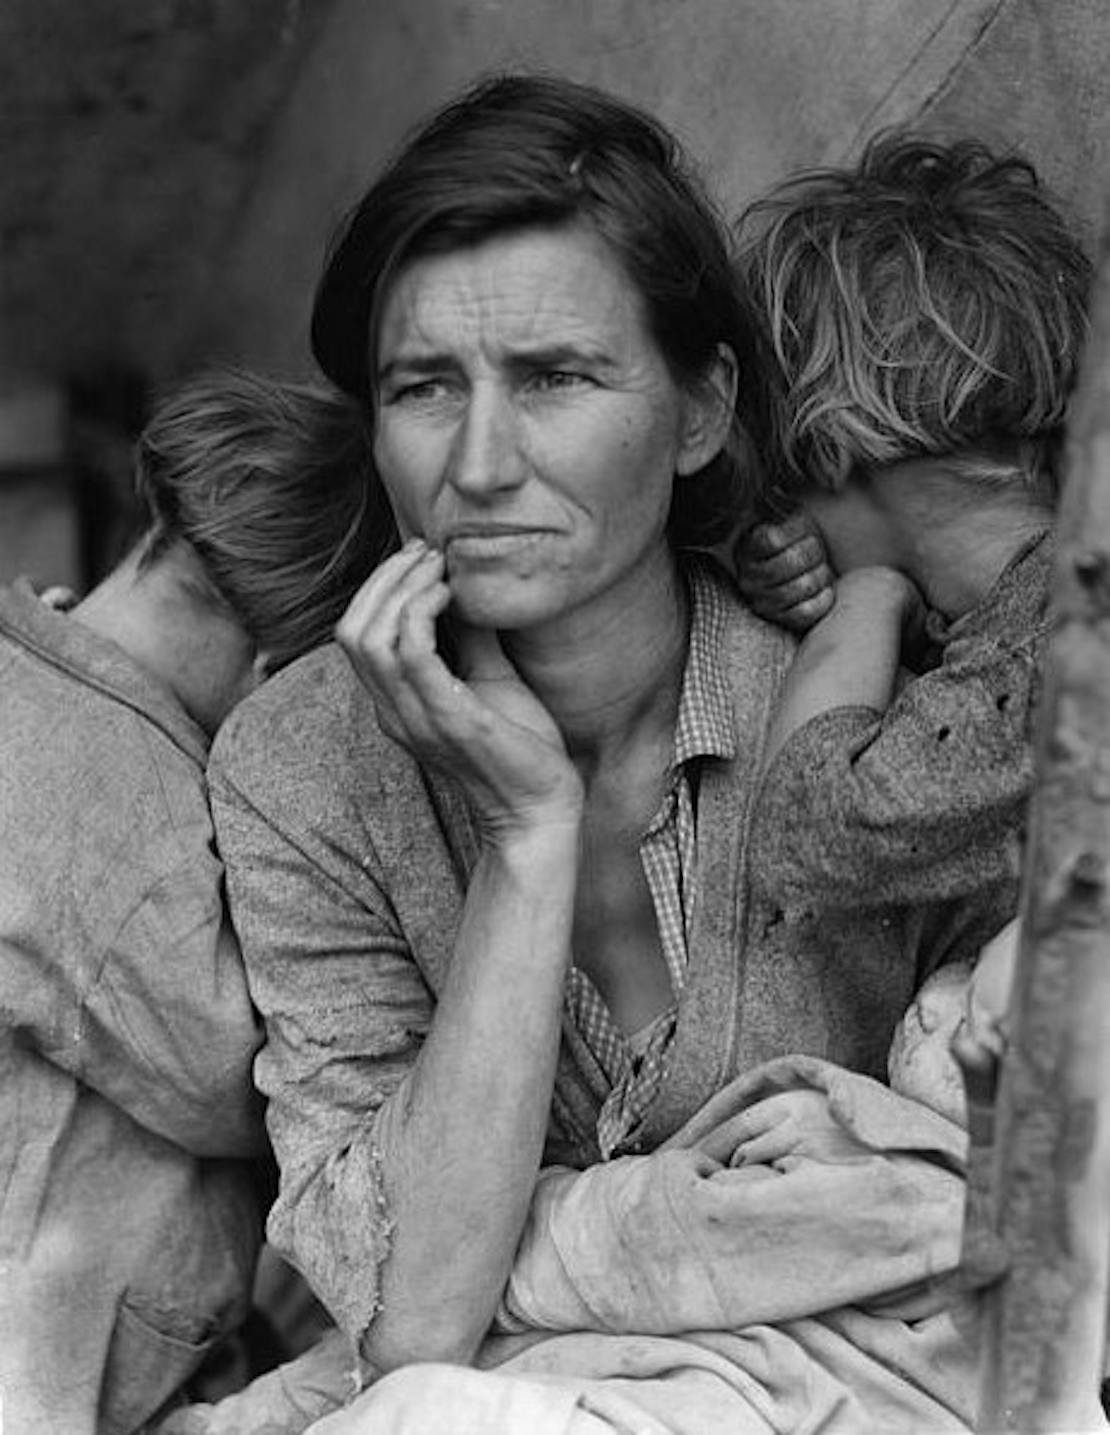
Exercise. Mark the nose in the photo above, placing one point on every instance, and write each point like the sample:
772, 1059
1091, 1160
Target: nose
487, 455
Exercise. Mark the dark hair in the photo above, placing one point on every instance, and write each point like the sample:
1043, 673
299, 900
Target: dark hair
272, 487
522, 150
928, 300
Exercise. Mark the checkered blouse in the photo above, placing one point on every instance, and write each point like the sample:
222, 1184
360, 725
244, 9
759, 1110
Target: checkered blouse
635, 1066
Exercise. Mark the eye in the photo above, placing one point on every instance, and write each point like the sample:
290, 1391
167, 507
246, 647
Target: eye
555, 380
432, 389
420, 391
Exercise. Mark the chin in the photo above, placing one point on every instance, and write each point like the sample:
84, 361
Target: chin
505, 606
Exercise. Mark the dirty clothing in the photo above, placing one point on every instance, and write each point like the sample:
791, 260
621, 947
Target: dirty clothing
347, 870
925, 802
642, 1297
129, 1220
632, 1066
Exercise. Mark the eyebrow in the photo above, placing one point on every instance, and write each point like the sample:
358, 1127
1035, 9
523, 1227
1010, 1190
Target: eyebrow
556, 356
420, 365
541, 356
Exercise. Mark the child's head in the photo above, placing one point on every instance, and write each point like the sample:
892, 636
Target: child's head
928, 301
271, 487
956, 999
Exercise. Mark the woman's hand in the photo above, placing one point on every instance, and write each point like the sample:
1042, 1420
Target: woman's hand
783, 572
484, 726
790, 1126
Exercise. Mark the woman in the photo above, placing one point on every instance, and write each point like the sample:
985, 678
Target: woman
488, 868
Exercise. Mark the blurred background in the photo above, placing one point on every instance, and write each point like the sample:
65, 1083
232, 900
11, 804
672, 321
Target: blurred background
173, 169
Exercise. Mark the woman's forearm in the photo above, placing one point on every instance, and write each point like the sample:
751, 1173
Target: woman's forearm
461, 1141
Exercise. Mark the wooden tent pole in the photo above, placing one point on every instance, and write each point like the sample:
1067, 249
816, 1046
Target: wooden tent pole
1044, 1323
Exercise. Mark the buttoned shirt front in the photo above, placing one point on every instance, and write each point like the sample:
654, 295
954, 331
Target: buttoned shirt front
634, 1065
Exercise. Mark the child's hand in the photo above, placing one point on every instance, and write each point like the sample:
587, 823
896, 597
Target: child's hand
782, 570
782, 1129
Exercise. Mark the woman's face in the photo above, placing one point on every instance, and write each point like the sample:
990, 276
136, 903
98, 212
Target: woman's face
528, 424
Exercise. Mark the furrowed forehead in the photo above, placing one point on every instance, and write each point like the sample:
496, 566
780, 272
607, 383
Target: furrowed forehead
535, 297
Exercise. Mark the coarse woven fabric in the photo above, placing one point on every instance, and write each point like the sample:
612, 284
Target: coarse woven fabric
347, 869
129, 1222
680, 1294
634, 1066
928, 800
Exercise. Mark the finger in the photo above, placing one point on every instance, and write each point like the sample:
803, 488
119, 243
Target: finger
800, 560
372, 629
372, 645
762, 1150
800, 617
799, 587
382, 581
737, 1131
764, 540
421, 673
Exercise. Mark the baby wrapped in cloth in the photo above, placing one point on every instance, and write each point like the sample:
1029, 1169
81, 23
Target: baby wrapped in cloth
785, 1263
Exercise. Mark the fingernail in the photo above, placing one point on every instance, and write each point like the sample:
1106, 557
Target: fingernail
413, 545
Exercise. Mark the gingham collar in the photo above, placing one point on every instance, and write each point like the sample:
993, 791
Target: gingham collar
704, 727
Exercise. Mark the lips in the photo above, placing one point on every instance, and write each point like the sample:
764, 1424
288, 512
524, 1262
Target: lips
465, 532
475, 542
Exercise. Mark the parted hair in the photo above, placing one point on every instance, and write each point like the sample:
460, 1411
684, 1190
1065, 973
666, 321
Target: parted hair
930, 300
272, 487
522, 150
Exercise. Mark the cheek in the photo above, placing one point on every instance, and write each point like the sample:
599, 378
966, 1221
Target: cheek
402, 477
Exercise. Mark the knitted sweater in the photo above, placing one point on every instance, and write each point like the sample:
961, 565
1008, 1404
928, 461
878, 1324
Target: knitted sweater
347, 869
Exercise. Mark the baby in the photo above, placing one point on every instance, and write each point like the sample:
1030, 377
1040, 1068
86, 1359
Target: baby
961, 1009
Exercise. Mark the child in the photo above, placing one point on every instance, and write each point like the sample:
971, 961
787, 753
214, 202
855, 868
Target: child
129, 1215
925, 311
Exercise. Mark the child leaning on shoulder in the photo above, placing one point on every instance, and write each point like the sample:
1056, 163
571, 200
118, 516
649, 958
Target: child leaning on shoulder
924, 313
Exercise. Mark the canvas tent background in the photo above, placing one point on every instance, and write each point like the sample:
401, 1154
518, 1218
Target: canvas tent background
173, 168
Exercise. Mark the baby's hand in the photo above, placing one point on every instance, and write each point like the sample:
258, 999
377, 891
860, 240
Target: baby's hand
782, 1129
782, 570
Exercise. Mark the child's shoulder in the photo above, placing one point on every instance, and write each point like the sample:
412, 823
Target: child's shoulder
1013, 618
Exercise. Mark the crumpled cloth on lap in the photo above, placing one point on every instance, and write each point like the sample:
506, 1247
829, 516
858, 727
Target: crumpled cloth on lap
681, 1240
674, 1294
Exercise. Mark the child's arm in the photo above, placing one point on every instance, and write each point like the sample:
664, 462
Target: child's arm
850, 659
920, 802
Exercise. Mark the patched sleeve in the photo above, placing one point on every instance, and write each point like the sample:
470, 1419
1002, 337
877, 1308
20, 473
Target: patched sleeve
923, 803
346, 1010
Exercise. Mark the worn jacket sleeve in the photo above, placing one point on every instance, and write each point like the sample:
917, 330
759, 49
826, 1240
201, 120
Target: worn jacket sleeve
923, 803
345, 1010
160, 1022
